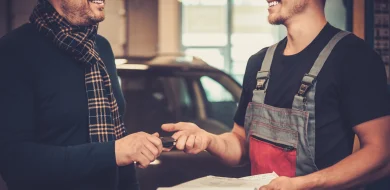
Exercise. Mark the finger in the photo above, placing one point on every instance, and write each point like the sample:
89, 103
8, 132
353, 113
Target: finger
156, 134
155, 140
198, 144
190, 143
142, 161
264, 188
151, 148
139, 165
160, 150
159, 145
170, 127
177, 135
148, 154
167, 149
181, 142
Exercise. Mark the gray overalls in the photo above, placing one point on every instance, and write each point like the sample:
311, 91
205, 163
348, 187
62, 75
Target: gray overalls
283, 140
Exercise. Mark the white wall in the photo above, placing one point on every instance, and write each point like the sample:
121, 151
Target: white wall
143, 27
169, 26
336, 13
114, 26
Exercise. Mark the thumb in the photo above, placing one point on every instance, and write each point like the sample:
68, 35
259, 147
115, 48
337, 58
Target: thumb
156, 134
170, 127
264, 188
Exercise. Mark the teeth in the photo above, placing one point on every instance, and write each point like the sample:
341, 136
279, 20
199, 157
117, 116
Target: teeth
97, 1
273, 3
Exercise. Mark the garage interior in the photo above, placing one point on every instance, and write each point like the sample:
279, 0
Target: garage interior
238, 29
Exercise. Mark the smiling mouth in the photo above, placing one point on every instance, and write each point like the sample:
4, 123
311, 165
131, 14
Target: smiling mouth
273, 3
99, 2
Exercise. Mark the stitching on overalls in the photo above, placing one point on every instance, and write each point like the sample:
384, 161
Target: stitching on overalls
270, 126
276, 122
285, 111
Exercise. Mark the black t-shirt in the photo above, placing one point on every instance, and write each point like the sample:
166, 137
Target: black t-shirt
351, 89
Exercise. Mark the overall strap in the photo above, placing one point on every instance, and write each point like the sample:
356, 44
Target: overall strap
309, 79
264, 74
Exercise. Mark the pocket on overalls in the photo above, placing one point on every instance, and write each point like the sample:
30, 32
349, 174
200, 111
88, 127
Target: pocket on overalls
267, 156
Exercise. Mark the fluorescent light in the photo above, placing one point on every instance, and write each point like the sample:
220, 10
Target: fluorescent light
133, 66
120, 61
137, 66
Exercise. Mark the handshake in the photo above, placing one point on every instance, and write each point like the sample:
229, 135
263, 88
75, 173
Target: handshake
143, 148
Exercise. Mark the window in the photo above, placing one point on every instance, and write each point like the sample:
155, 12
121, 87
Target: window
186, 108
152, 100
205, 31
222, 32
198, 29
251, 32
213, 56
215, 92
225, 33
220, 103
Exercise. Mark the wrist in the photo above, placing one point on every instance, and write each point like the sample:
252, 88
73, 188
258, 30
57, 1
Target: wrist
312, 181
211, 138
119, 154
116, 153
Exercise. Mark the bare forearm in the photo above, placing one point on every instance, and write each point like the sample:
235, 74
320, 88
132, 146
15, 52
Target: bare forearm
367, 165
229, 147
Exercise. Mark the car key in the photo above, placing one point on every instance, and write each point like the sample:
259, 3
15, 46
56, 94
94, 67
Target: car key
168, 142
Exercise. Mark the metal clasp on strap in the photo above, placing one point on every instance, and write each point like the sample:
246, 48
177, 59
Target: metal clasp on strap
262, 78
307, 82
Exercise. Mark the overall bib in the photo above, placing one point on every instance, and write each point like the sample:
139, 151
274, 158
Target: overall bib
283, 140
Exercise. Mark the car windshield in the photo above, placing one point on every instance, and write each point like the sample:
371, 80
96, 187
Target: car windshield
157, 97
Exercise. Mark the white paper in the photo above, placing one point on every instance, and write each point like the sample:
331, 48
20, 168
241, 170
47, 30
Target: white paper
224, 183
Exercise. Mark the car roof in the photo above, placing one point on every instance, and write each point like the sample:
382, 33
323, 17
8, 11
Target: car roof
172, 61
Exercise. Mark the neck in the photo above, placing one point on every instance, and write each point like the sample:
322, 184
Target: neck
57, 7
68, 17
302, 29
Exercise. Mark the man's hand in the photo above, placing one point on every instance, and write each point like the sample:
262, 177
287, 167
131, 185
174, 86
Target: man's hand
283, 183
189, 137
139, 147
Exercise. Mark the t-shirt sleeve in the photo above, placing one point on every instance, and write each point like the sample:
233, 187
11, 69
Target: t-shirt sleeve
364, 95
247, 89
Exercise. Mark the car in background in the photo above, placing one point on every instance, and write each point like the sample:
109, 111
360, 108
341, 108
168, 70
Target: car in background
174, 88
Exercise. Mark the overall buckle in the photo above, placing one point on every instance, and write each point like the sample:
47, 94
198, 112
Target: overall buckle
306, 84
262, 79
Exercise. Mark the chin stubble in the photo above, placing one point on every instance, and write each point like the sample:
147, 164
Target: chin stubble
296, 9
79, 14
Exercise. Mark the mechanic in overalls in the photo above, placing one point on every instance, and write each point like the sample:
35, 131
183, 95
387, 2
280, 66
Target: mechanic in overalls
303, 100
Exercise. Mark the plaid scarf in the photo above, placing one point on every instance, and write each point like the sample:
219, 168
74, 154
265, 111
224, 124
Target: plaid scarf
105, 123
